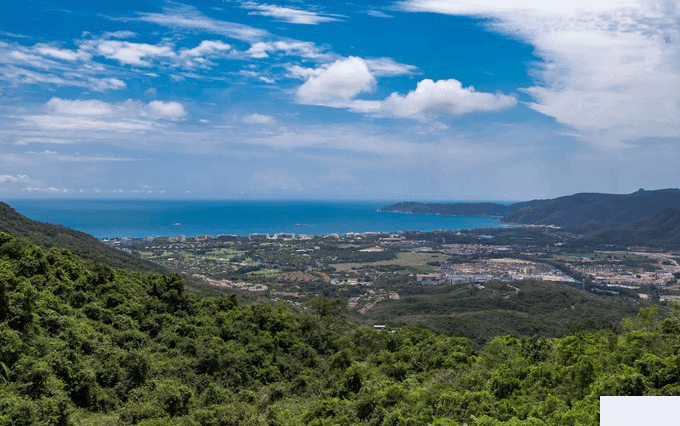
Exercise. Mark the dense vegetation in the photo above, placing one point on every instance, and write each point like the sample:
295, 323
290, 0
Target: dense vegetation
91, 345
47, 235
660, 230
480, 312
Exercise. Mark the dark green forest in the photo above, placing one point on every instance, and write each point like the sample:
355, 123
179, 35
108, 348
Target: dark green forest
82, 343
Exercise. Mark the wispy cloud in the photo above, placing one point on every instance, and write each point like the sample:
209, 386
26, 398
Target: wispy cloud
95, 115
263, 49
184, 17
608, 70
52, 65
388, 67
14, 178
288, 14
77, 158
378, 14
58, 53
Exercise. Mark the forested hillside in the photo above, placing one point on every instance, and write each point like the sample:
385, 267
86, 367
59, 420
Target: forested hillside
47, 235
97, 346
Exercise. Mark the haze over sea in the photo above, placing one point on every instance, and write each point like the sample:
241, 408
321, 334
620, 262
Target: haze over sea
142, 218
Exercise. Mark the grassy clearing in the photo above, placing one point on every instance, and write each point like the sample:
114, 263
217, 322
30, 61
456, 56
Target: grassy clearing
409, 259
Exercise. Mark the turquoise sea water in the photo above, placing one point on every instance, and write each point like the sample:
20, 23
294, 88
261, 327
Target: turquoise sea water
135, 219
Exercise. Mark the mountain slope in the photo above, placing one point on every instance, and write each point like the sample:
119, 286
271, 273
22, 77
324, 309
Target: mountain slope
87, 247
661, 230
597, 209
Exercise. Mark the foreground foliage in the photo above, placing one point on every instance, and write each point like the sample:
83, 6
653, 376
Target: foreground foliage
92, 345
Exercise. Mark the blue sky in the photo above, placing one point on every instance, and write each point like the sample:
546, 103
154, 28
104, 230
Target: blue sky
411, 99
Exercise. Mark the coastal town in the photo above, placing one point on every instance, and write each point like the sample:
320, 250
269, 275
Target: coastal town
369, 269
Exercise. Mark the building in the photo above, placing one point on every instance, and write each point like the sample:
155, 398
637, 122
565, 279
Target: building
258, 237
428, 279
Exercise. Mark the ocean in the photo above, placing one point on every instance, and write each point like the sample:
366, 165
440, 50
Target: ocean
142, 218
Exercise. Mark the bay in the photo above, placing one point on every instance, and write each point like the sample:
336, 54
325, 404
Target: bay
142, 218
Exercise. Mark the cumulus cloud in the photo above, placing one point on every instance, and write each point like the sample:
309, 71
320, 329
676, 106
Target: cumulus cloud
339, 84
443, 97
288, 14
167, 110
129, 53
609, 69
258, 119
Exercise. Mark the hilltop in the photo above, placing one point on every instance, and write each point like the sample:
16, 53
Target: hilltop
85, 246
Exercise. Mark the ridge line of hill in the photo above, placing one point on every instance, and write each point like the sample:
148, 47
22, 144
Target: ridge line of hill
85, 246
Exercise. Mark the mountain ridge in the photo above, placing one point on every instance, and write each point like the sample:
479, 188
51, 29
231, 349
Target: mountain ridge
579, 209
85, 246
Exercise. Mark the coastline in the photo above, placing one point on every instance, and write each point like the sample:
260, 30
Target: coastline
139, 219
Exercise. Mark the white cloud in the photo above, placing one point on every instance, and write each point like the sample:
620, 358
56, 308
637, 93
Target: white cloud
262, 49
443, 97
258, 119
50, 189
378, 14
119, 34
63, 54
133, 53
337, 83
609, 70
287, 14
102, 84
302, 73
206, 47
80, 108
76, 158
167, 110
388, 67
99, 116
48, 64
189, 18
14, 179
